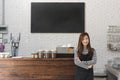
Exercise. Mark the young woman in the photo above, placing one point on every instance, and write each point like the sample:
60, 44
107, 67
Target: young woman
84, 58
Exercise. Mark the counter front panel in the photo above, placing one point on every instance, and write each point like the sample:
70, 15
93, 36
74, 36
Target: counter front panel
37, 69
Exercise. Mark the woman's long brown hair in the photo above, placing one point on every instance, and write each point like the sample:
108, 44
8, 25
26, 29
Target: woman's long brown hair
81, 47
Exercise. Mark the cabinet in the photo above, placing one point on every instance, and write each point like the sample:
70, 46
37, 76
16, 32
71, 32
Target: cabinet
110, 76
112, 73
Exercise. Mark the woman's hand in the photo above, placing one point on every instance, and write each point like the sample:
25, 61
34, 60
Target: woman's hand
77, 58
90, 66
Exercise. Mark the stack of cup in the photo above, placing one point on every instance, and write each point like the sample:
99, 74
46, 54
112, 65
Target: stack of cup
53, 53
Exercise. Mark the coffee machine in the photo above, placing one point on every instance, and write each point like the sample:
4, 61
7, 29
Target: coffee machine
14, 45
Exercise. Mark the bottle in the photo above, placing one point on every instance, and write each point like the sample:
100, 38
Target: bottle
2, 47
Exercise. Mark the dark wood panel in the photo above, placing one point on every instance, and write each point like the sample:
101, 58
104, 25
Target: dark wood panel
37, 69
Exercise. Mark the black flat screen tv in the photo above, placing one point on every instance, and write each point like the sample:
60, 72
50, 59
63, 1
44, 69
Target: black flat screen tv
57, 17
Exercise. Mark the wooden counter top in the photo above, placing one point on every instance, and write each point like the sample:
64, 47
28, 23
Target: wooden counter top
37, 69
36, 59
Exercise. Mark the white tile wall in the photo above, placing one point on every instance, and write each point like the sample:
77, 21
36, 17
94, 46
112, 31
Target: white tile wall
99, 15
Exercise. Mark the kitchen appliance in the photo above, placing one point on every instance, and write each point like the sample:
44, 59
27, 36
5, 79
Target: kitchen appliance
68, 50
14, 45
116, 63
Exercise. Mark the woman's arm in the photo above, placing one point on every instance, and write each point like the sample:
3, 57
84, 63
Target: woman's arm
78, 62
93, 61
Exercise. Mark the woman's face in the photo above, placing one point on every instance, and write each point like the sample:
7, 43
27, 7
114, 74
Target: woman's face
85, 41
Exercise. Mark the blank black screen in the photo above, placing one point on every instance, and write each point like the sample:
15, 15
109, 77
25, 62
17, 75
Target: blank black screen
57, 17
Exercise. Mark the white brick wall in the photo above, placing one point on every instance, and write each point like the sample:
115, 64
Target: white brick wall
99, 15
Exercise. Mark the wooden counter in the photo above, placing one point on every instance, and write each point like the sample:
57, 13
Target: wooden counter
37, 69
